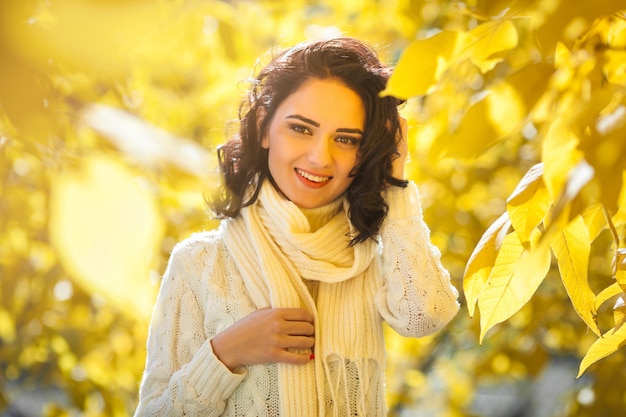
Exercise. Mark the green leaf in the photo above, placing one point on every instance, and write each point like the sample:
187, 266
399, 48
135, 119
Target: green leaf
571, 248
482, 260
609, 343
514, 279
529, 203
422, 63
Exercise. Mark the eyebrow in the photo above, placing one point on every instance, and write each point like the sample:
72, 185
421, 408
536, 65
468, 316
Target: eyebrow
316, 124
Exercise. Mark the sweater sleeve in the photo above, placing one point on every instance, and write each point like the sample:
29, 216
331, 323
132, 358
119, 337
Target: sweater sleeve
417, 297
182, 375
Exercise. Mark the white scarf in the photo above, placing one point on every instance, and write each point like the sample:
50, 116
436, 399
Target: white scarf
274, 248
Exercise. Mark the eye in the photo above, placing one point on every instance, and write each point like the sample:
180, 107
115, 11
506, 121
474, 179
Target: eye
347, 140
300, 129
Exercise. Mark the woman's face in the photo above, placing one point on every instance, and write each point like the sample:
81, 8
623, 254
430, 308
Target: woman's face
313, 140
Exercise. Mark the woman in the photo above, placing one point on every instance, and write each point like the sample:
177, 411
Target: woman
279, 312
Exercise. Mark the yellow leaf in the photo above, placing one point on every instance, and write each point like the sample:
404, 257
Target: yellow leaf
560, 154
531, 82
497, 112
577, 178
620, 267
529, 203
609, 343
506, 109
615, 67
571, 248
565, 68
616, 33
607, 293
106, 229
620, 216
595, 220
471, 138
567, 20
489, 39
619, 313
422, 63
481, 261
515, 277
605, 149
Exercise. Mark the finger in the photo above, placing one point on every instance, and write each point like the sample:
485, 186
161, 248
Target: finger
283, 327
296, 342
290, 342
293, 357
295, 314
300, 328
301, 342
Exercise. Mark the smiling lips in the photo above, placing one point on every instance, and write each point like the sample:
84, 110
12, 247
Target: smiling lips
313, 178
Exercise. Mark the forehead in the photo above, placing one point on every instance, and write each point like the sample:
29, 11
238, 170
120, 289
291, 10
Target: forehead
326, 102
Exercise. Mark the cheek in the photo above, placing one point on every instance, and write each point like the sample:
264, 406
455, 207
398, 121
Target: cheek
350, 163
276, 161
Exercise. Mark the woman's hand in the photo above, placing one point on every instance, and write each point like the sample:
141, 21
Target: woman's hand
400, 161
265, 336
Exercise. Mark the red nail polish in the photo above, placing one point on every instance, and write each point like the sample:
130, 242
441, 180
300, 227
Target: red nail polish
311, 357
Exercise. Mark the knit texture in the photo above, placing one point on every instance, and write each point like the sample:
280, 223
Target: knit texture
275, 254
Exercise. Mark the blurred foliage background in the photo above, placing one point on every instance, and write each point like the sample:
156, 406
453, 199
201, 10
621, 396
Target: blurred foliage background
110, 112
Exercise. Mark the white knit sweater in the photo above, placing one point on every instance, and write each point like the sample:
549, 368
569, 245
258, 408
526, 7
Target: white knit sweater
276, 254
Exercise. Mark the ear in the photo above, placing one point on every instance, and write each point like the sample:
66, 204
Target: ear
260, 116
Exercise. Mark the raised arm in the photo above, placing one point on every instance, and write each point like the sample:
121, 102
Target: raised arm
417, 297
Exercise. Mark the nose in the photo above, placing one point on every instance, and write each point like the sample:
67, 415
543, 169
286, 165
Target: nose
319, 153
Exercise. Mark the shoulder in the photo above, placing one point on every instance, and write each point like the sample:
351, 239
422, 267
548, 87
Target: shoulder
199, 241
195, 265
197, 250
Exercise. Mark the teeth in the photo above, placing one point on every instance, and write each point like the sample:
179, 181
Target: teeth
313, 178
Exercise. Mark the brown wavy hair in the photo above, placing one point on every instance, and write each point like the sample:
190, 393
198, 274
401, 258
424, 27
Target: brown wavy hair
244, 162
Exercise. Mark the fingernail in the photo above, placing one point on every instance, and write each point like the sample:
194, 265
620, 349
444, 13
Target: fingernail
311, 357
